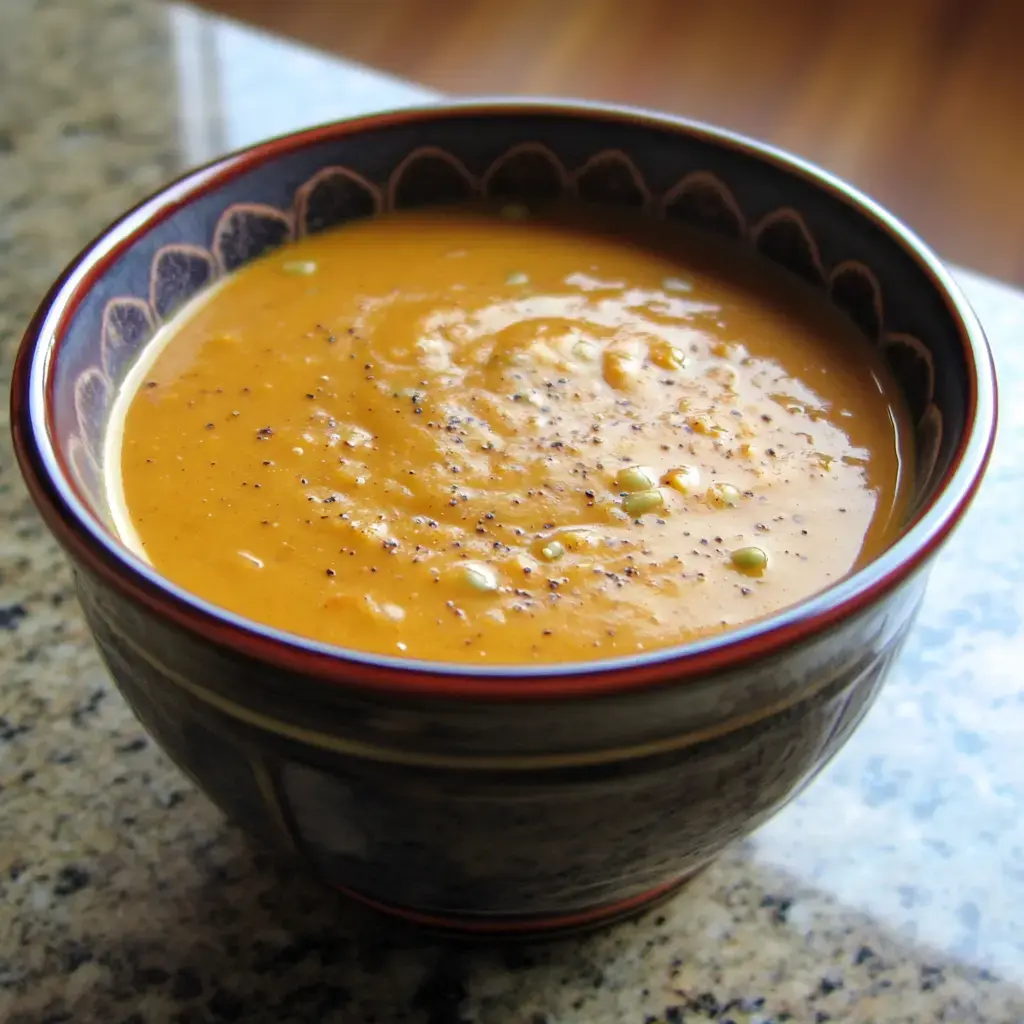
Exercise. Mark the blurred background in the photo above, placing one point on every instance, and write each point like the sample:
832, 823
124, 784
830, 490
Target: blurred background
918, 102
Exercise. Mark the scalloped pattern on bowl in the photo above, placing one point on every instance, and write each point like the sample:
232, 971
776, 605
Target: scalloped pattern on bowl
528, 170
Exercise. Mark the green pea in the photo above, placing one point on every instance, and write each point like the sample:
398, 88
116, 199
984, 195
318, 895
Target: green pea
723, 496
299, 267
552, 551
639, 503
635, 478
750, 561
584, 350
480, 576
685, 479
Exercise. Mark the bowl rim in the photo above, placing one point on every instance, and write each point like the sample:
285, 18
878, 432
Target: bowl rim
90, 543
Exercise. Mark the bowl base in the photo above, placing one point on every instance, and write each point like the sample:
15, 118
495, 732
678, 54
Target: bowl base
532, 927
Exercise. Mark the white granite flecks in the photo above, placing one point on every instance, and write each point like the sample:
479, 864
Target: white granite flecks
889, 893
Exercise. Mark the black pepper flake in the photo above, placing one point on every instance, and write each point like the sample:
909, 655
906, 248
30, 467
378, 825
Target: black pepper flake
330, 572
209, 426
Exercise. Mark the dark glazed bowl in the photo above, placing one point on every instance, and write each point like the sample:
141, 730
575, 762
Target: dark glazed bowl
498, 800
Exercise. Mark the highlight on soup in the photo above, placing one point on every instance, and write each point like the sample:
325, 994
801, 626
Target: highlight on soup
503, 437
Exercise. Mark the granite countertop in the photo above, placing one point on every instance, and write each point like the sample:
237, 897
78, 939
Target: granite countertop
889, 892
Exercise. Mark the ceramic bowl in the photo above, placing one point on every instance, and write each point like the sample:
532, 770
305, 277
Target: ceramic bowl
492, 800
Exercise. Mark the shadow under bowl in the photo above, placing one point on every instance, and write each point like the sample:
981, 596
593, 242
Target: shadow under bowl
498, 801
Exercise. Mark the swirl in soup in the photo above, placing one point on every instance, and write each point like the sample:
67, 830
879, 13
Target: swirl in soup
476, 436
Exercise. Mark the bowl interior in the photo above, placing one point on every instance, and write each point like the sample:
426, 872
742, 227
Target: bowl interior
220, 218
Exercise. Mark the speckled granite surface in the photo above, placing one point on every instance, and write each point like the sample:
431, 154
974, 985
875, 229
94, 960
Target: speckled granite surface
892, 891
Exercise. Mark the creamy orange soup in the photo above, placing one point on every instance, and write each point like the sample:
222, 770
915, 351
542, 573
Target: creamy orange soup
482, 436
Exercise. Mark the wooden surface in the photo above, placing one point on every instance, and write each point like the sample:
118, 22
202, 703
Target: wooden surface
919, 102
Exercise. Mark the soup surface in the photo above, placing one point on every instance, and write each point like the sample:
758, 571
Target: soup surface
495, 437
